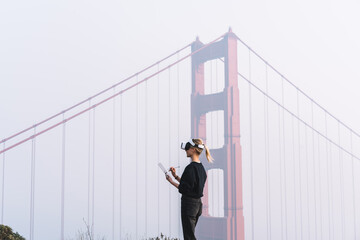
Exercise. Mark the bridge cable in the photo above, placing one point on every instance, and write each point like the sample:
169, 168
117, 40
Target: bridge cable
32, 185
169, 150
328, 158
101, 92
120, 164
251, 156
217, 137
320, 192
63, 179
93, 176
284, 156
341, 170
3, 184
300, 172
314, 167
353, 185
146, 156
294, 175
137, 158
307, 179
296, 87
158, 150
267, 159
212, 141
108, 98
296, 117
281, 176
89, 165
178, 139
113, 166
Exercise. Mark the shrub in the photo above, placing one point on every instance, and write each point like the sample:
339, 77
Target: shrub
6, 233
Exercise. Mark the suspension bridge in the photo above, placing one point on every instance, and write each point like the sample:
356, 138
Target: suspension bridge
285, 167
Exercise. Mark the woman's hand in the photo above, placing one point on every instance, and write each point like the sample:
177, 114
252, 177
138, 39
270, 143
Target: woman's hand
173, 171
168, 178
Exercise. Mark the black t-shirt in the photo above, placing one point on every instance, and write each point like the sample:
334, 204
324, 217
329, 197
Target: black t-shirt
193, 180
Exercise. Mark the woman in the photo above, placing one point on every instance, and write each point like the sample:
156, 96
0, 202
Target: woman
191, 185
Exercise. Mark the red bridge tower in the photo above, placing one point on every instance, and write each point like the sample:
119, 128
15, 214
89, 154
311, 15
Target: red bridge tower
227, 158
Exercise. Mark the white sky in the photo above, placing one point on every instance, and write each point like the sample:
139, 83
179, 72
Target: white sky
55, 54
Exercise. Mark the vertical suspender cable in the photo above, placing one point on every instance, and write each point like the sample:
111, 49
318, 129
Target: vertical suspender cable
93, 178
320, 193
281, 177
300, 181
178, 134
169, 102
3, 186
120, 165
32, 192
146, 154
136, 158
328, 175
89, 165
267, 158
314, 166
158, 150
353, 184
294, 175
212, 141
341, 169
113, 168
217, 137
251, 156
284, 157
307, 180
63, 180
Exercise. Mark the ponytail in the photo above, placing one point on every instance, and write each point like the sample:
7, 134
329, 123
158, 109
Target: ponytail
208, 155
199, 141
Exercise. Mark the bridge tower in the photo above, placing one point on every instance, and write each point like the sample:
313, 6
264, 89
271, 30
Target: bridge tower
227, 158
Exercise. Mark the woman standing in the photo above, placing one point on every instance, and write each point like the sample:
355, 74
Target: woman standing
191, 185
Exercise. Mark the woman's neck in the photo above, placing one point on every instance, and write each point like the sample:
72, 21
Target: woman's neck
195, 158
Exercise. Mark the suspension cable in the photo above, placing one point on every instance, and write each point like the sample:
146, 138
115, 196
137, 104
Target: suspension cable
32, 186
328, 158
3, 184
158, 151
63, 178
178, 138
98, 94
320, 194
284, 156
93, 177
136, 159
113, 167
89, 165
300, 181
251, 156
296, 87
341, 169
353, 184
314, 166
267, 159
294, 175
169, 152
298, 118
146, 155
307, 180
120, 164
108, 98
281, 176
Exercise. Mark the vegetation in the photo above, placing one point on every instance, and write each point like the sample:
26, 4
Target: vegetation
6, 233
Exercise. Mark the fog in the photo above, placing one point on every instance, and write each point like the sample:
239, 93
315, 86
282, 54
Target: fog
54, 55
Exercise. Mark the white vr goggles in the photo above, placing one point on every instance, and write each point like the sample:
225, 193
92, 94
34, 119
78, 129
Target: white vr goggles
187, 145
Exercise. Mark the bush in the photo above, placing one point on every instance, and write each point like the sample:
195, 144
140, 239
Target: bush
6, 233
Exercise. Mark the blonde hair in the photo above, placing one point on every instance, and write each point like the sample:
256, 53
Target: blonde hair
199, 141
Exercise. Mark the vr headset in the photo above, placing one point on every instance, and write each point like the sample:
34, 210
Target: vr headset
187, 145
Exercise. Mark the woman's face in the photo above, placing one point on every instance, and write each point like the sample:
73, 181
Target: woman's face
190, 152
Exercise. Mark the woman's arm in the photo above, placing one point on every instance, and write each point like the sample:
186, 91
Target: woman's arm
171, 181
173, 172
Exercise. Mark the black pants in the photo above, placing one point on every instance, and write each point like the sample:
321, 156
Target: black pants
191, 210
